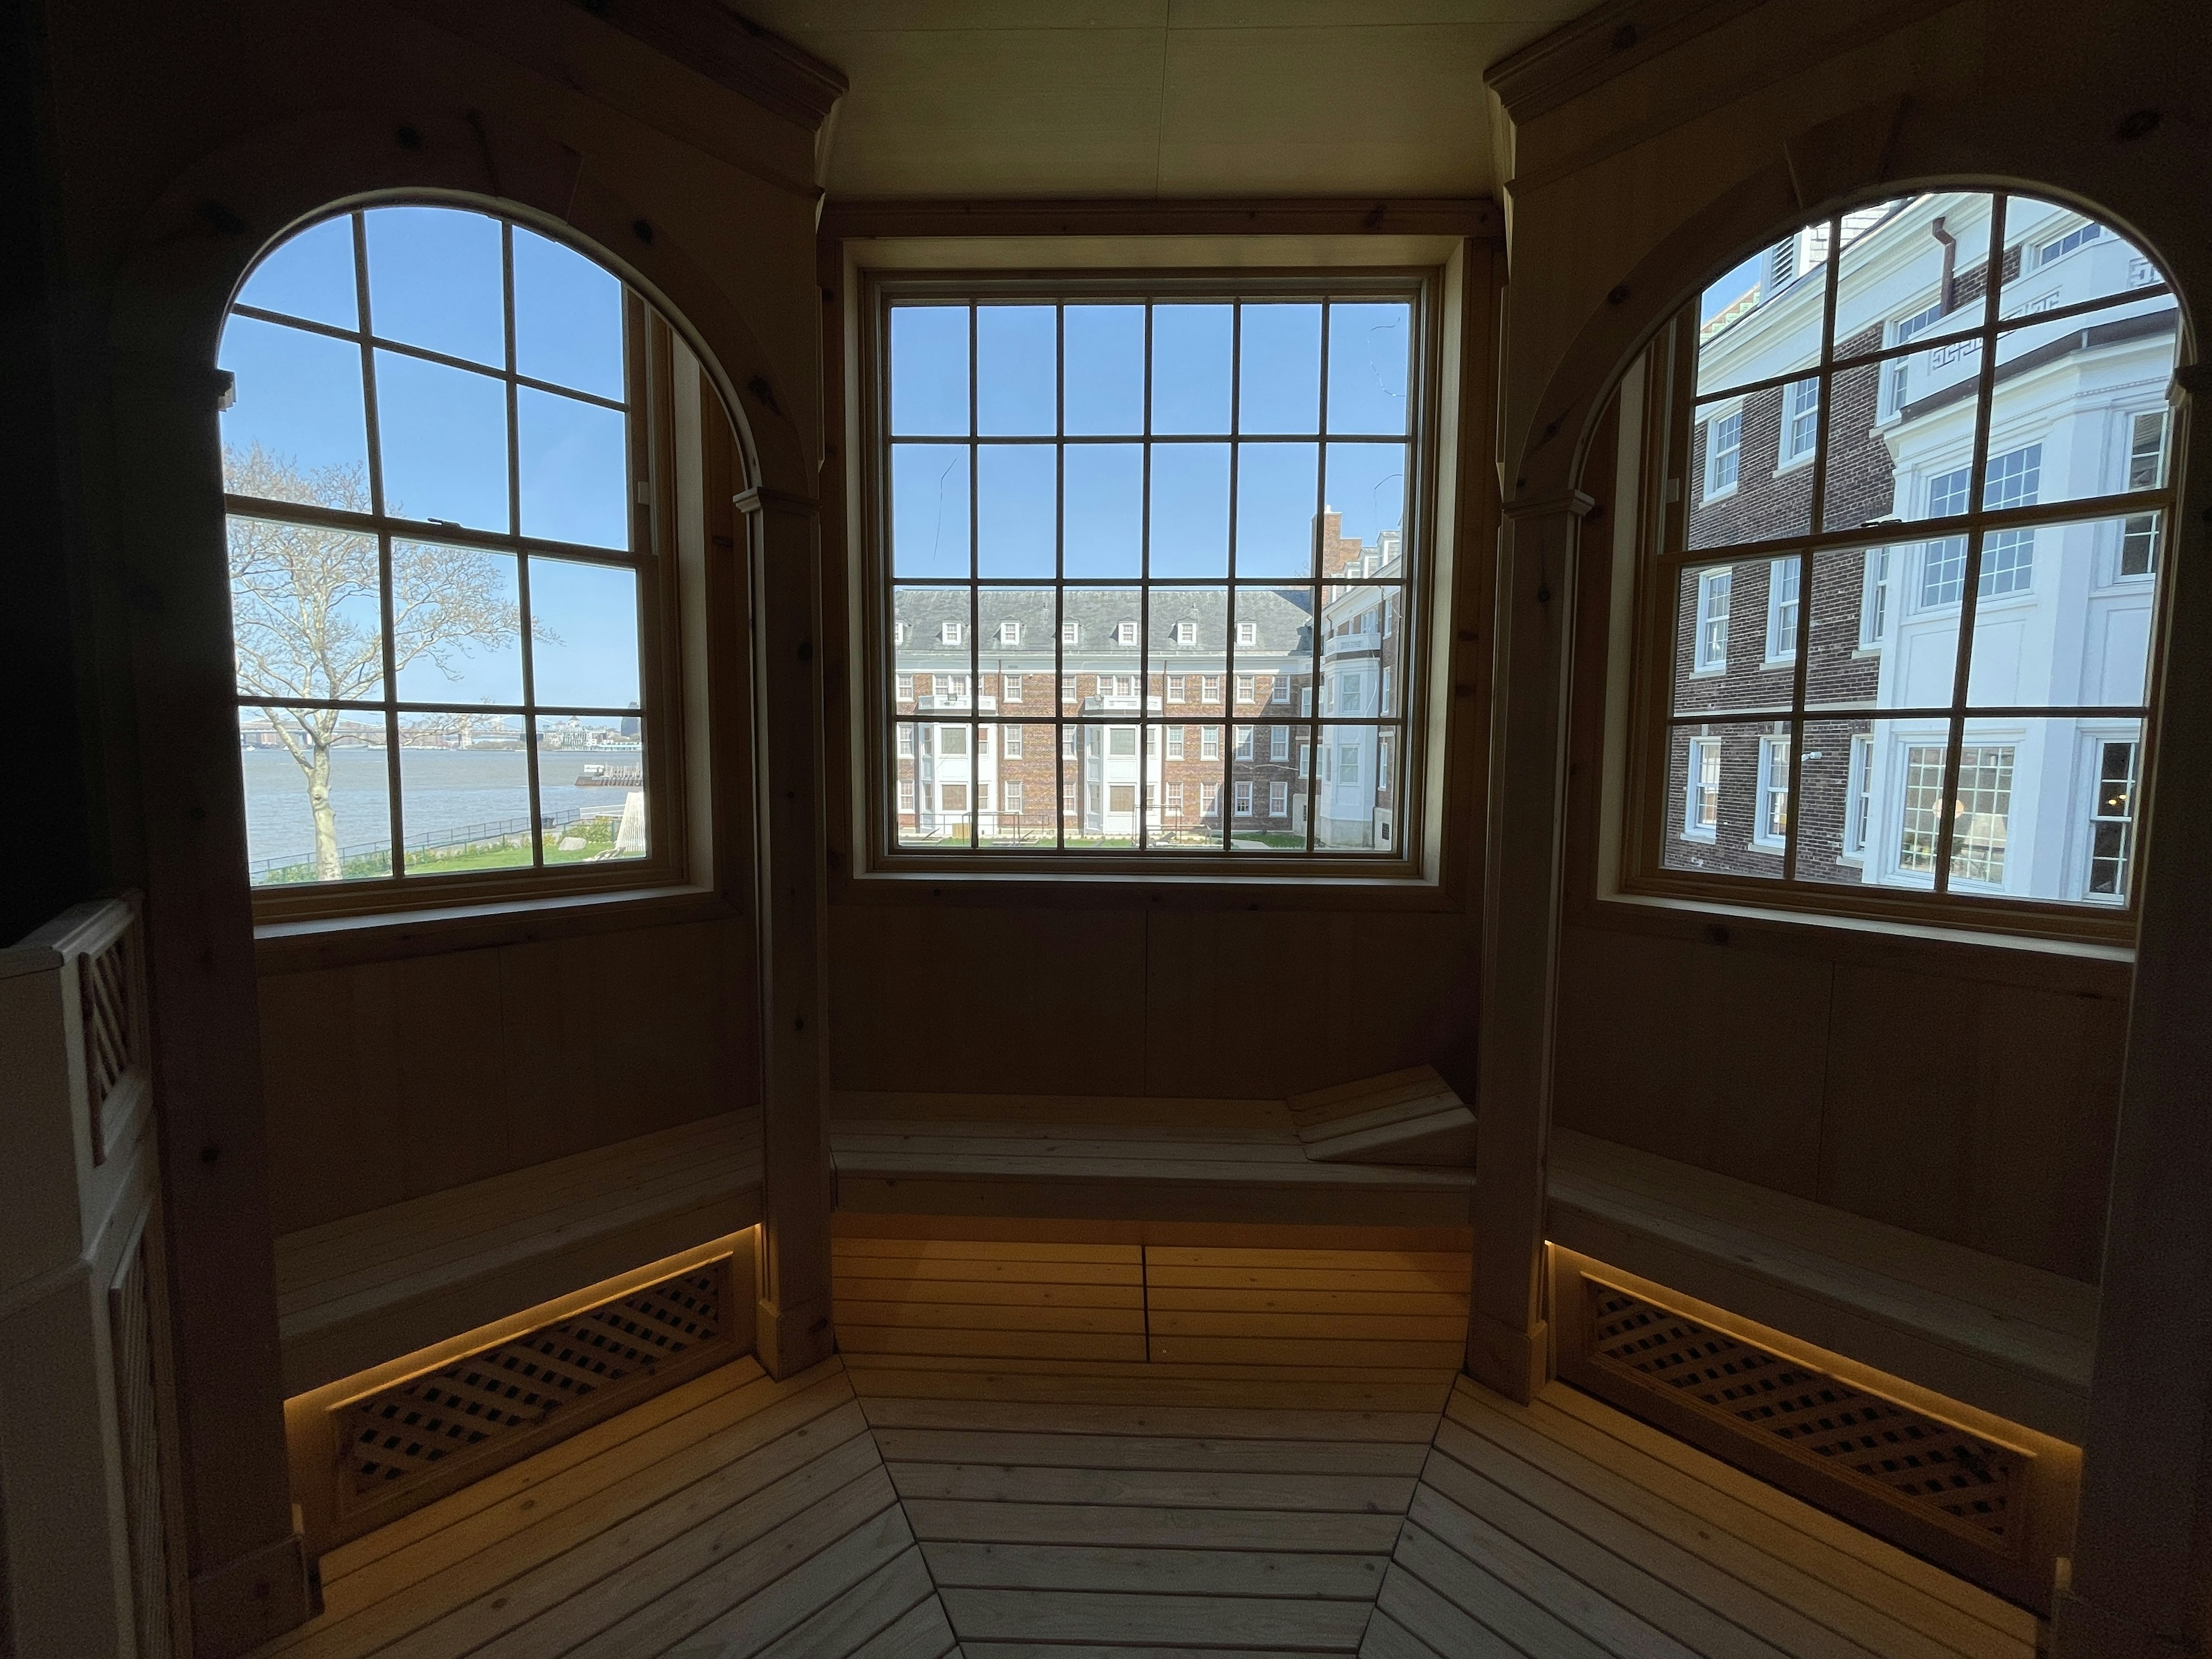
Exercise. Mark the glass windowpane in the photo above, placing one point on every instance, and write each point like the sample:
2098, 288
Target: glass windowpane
1369, 356
464, 792
295, 430
584, 634
575, 469
442, 438
436, 281
568, 317
318, 794
310, 275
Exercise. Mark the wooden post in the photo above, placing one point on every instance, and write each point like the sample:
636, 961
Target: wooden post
250, 1579
795, 1328
2141, 1582
1507, 1347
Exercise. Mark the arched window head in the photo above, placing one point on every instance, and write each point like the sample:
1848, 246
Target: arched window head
1899, 606
447, 588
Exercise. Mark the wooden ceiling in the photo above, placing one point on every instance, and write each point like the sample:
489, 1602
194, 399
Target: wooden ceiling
1167, 97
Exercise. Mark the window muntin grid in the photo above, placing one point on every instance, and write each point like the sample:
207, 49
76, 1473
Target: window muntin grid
1998, 544
487, 372
1192, 539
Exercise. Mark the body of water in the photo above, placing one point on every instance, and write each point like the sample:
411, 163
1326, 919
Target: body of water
445, 792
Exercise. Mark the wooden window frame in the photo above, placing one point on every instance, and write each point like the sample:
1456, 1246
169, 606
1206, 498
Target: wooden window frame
1424, 289
1672, 416
648, 404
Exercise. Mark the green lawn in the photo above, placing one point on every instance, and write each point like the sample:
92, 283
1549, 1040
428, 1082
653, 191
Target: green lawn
508, 853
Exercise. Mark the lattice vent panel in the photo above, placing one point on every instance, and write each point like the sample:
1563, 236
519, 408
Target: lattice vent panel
1918, 1461
399, 1435
133, 1331
107, 997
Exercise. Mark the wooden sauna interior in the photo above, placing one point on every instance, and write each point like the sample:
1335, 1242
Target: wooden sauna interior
813, 1245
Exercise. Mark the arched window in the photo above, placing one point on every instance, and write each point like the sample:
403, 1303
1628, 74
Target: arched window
1900, 604
446, 574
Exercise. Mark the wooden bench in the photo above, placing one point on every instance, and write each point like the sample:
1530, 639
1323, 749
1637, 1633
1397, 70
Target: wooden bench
2014, 1340
356, 1293
1117, 1159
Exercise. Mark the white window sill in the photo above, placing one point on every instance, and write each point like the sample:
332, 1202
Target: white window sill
1776, 849
332, 941
1798, 463
1883, 933
1789, 661
1703, 837
1706, 498
1710, 671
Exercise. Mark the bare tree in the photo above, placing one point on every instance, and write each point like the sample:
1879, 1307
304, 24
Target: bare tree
307, 614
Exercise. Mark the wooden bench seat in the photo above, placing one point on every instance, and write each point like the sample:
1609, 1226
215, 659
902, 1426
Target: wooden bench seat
356, 1293
1116, 1159
2011, 1339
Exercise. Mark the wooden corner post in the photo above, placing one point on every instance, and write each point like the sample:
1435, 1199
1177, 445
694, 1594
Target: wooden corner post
1507, 1345
782, 532
2142, 1579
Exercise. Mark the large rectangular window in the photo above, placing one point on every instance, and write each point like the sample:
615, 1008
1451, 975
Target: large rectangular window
1168, 499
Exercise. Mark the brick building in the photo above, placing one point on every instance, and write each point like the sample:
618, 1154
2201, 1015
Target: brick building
1168, 713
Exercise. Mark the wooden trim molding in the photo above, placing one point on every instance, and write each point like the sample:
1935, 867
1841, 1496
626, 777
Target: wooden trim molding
1598, 46
760, 498
731, 51
1465, 216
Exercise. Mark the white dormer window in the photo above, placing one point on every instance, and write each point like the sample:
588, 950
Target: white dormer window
1247, 633
2059, 246
1186, 633
1125, 633
1010, 633
898, 633
952, 633
1071, 633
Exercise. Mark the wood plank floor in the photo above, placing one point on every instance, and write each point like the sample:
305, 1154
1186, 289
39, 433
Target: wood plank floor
911, 1506
1151, 1508
1565, 1529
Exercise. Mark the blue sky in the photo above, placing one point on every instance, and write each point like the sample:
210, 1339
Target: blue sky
433, 281
1732, 286
1272, 380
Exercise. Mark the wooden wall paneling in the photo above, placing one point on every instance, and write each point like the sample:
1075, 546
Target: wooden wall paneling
622, 1034
1389, 989
388, 1081
1220, 989
982, 1298
1713, 1055
2001, 1100
336, 1115
1064, 990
